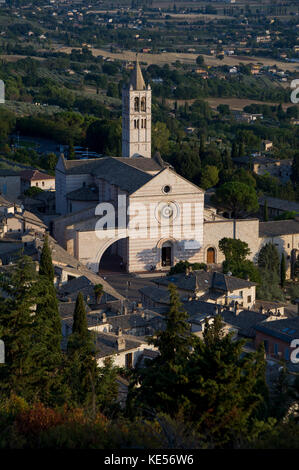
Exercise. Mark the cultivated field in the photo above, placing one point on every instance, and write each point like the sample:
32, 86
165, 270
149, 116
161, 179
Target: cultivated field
187, 58
236, 104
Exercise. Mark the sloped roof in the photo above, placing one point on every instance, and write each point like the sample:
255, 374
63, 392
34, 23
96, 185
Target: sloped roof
75, 285
35, 175
113, 170
281, 204
246, 321
84, 194
278, 228
155, 294
285, 330
7, 172
203, 280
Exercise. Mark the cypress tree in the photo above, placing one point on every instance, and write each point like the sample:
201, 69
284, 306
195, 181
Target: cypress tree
235, 152
282, 270
87, 382
45, 265
266, 214
80, 319
241, 149
162, 383
16, 325
71, 154
202, 146
46, 348
227, 160
226, 389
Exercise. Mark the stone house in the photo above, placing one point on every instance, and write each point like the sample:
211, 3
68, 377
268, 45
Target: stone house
35, 178
213, 287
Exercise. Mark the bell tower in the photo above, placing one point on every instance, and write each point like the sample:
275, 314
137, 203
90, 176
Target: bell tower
136, 116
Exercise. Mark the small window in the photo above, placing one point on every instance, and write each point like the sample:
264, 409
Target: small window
43, 183
249, 299
36, 184
129, 360
166, 189
266, 345
241, 293
276, 349
136, 104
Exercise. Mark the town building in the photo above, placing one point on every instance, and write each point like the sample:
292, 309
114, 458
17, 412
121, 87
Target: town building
85, 189
10, 184
35, 178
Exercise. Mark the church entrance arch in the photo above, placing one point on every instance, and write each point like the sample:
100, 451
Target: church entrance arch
167, 254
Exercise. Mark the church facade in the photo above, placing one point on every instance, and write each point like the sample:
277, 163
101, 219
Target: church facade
159, 217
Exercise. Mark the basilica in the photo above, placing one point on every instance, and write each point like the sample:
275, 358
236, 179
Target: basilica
156, 217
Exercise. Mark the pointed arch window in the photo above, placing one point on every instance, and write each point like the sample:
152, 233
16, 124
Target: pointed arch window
136, 104
143, 104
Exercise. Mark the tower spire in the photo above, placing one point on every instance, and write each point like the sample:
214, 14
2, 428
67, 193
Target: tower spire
137, 80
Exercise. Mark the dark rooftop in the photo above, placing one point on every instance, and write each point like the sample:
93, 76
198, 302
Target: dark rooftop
202, 280
84, 194
278, 227
286, 330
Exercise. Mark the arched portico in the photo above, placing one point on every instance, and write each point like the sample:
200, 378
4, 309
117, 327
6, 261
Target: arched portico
91, 247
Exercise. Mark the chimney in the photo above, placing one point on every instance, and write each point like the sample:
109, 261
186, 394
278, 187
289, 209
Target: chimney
120, 341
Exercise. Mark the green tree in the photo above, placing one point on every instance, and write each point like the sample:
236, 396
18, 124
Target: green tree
209, 177
160, 138
16, 323
236, 252
200, 60
234, 249
282, 270
104, 136
227, 390
90, 385
45, 265
235, 152
71, 152
80, 319
268, 258
33, 191
227, 160
162, 383
238, 198
48, 378
266, 212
